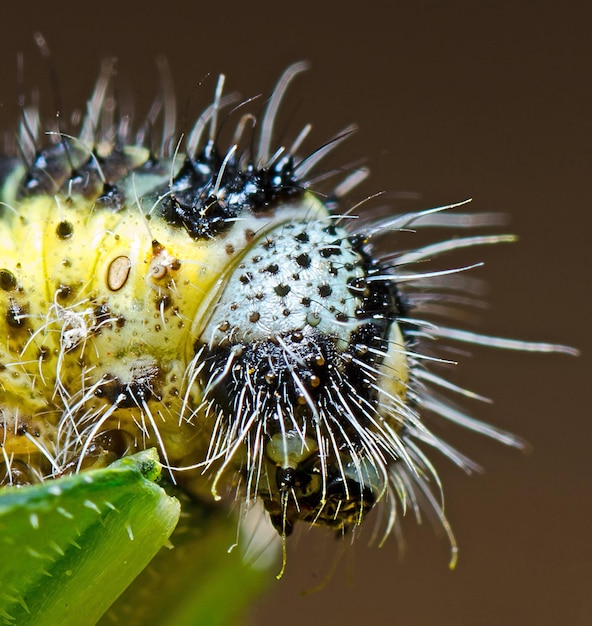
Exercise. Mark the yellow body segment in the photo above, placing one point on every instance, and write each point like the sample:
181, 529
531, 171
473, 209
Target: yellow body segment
70, 325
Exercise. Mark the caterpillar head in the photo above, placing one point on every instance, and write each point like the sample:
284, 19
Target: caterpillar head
305, 365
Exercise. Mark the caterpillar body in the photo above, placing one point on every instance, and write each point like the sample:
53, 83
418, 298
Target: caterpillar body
211, 302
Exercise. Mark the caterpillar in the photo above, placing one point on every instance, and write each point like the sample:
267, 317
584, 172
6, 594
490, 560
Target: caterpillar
222, 303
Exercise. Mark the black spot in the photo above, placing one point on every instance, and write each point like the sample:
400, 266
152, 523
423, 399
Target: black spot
285, 478
101, 313
246, 278
325, 290
16, 313
273, 268
358, 287
297, 336
63, 292
332, 250
163, 303
64, 230
303, 260
7, 280
43, 354
270, 378
282, 290
302, 237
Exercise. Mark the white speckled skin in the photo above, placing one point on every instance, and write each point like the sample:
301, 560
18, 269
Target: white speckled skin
285, 283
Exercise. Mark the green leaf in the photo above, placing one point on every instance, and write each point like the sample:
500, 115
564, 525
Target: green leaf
69, 547
200, 582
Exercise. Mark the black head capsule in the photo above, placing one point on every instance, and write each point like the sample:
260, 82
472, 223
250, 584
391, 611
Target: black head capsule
298, 390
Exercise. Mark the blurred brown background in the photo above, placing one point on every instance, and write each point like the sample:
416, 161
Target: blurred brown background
455, 99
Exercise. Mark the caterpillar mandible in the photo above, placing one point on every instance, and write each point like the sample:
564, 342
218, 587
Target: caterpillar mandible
217, 302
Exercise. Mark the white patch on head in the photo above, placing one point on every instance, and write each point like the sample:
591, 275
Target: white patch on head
295, 276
